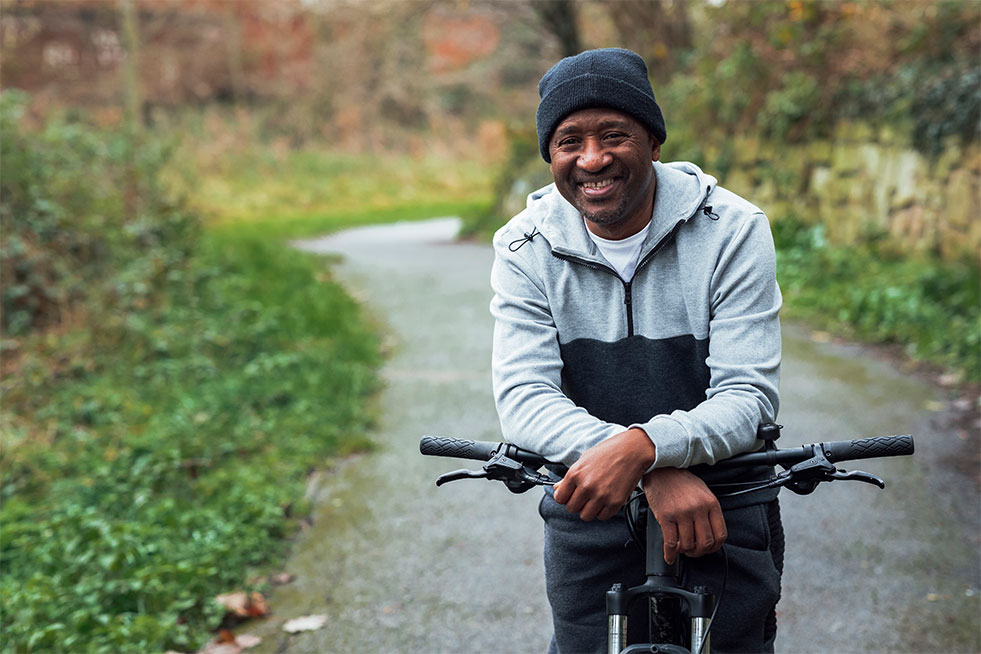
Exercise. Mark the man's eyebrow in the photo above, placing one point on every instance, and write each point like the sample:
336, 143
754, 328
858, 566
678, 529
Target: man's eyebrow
568, 129
610, 123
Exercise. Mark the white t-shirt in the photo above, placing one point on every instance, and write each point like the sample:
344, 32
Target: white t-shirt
623, 254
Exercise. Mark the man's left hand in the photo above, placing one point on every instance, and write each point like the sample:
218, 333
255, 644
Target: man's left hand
601, 481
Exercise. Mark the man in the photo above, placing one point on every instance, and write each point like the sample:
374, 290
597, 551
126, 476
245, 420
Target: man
637, 341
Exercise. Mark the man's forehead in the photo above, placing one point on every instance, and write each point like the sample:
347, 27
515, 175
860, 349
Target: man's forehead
596, 117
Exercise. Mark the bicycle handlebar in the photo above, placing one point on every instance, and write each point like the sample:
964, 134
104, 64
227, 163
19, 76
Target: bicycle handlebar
834, 451
458, 448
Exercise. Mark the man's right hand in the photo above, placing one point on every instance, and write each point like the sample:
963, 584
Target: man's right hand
688, 512
600, 482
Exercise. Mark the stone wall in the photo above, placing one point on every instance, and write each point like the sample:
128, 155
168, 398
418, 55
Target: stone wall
868, 186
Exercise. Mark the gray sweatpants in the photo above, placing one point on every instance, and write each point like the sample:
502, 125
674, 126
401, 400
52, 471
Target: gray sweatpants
583, 559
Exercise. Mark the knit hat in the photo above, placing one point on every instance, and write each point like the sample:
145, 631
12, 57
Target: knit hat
611, 77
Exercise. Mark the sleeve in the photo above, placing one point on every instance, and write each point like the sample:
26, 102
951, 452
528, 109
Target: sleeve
743, 358
527, 366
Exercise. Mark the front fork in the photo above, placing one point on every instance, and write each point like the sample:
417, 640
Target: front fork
662, 580
617, 622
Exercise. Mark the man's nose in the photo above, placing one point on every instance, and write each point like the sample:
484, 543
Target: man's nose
593, 157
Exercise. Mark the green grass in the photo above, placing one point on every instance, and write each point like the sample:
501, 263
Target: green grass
306, 190
168, 471
931, 308
157, 437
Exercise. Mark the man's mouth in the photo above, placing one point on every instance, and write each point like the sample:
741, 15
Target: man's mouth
597, 188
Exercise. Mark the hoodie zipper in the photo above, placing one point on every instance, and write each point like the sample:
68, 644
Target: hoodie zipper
627, 286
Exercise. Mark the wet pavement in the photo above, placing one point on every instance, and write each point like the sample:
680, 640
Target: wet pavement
398, 565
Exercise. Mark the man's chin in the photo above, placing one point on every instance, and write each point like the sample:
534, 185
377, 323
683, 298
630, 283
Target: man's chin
602, 217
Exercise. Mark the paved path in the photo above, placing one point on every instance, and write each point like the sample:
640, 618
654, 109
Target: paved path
400, 566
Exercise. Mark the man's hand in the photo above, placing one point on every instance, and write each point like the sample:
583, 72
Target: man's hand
688, 512
601, 481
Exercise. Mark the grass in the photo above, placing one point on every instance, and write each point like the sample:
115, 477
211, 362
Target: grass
156, 455
928, 307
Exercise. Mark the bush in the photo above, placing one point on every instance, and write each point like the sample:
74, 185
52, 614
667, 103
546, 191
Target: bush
154, 453
84, 220
929, 306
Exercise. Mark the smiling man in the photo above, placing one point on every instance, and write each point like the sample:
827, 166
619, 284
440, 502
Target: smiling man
637, 341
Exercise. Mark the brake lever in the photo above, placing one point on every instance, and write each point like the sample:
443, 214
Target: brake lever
456, 475
858, 475
804, 477
516, 476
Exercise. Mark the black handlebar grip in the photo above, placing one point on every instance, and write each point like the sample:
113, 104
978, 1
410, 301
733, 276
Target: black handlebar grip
868, 448
457, 448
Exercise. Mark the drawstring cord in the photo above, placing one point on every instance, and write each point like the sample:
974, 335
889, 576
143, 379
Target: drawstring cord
517, 244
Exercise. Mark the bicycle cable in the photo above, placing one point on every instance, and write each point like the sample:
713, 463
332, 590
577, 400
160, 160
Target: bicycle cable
772, 482
631, 524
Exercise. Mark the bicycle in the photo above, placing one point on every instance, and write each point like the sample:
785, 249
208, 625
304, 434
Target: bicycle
804, 468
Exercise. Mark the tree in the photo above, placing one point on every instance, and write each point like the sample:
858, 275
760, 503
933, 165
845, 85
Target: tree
560, 17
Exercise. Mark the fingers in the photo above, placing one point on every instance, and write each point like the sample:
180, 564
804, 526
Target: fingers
704, 538
718, 522
689, 514
703, 535
670, 532
563, 491
577, 500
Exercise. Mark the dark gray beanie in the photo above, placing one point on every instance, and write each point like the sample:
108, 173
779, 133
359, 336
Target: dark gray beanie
611, 77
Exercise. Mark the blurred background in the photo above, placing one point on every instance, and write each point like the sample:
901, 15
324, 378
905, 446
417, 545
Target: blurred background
169, 368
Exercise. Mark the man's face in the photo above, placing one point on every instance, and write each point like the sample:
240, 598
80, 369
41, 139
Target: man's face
601, 162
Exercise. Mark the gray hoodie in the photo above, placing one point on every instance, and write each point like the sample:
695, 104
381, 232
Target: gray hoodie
689, 350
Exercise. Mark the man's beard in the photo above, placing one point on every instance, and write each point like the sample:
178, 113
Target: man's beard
609, 216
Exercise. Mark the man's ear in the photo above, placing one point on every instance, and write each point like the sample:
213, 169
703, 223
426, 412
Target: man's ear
655, 149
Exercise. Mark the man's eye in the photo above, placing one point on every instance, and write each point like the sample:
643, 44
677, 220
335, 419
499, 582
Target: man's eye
614, 136
568, 142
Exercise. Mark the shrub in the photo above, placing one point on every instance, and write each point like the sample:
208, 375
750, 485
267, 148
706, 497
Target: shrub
85, 220
154, 450
929, 306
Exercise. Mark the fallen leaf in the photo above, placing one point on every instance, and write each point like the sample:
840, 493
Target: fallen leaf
306, 623
235, 603
257, 606
225, 636
245, 641
215, 647
242, 605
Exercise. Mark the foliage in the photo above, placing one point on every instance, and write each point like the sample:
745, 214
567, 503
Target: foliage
522, 172
929, 307
154, 455
791, 70
241, 175
83, 220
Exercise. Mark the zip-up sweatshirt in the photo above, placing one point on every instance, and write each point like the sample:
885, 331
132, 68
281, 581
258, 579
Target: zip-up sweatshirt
688, 350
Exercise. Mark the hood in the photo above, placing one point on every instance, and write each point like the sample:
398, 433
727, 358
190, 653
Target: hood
682, 187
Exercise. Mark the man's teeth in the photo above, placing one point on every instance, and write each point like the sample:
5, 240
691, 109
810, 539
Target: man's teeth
602, 184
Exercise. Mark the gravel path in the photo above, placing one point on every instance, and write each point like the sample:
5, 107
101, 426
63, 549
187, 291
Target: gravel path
401, 566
